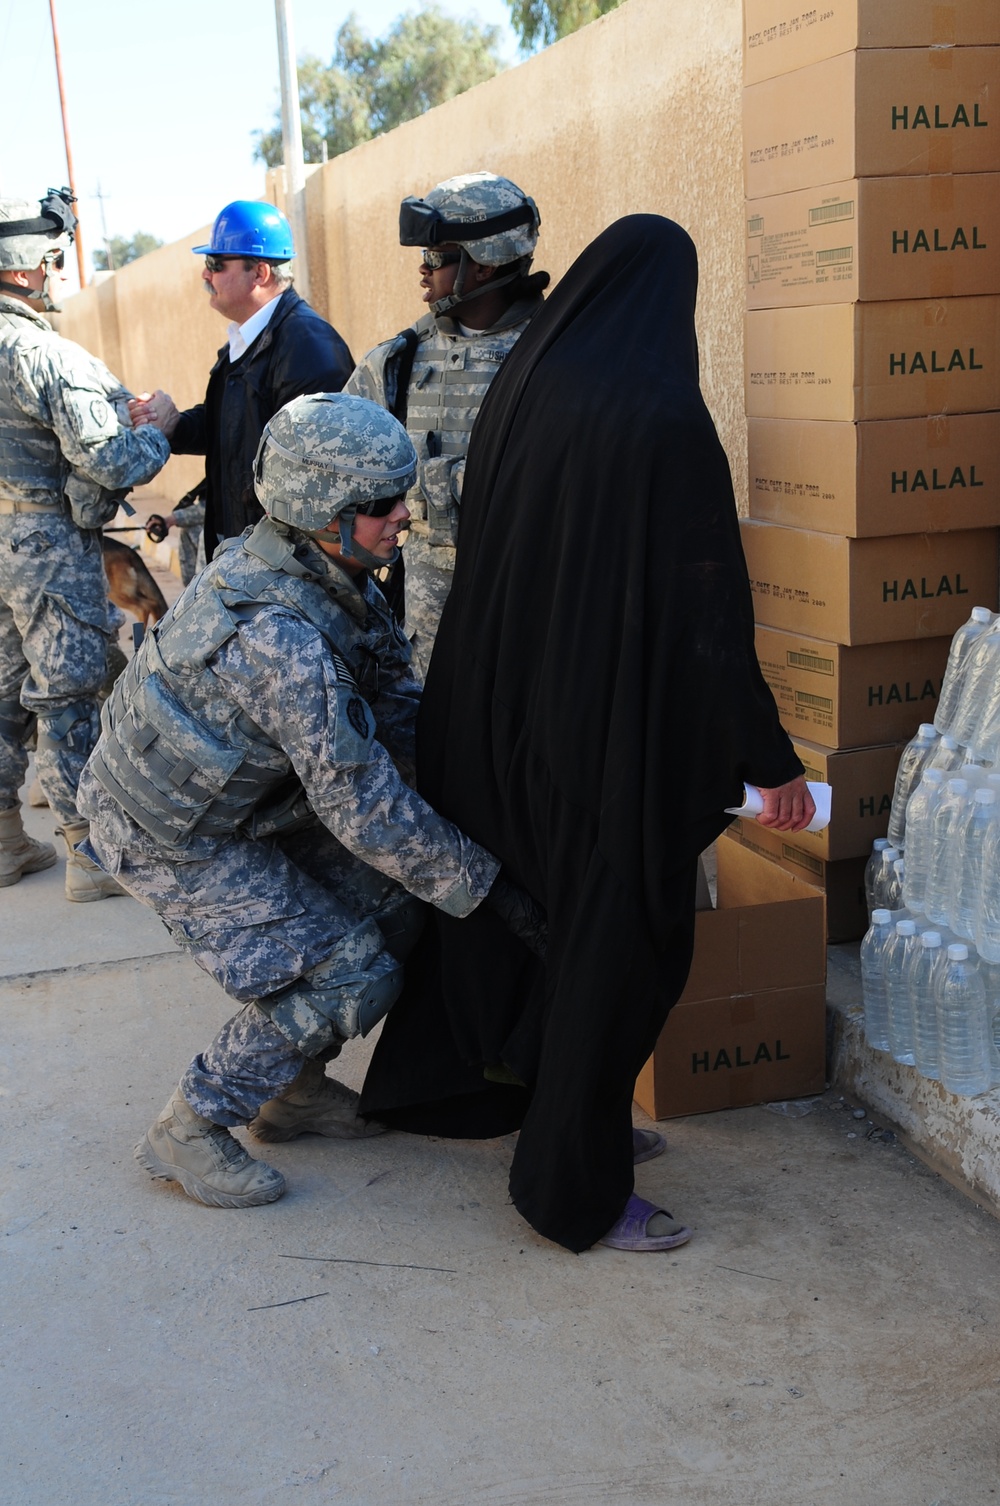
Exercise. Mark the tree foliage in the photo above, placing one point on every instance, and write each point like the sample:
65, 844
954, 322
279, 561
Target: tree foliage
539, 22
123, 249
373, 85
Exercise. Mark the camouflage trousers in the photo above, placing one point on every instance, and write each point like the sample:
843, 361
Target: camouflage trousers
427, 587
55, 628
258, 917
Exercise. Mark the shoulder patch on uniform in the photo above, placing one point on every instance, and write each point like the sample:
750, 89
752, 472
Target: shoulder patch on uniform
357, 715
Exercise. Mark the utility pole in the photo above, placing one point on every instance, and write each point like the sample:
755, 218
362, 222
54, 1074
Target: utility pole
100, 197
291, 141
77, 239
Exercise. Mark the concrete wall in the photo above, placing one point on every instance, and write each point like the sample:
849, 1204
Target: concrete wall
639, 111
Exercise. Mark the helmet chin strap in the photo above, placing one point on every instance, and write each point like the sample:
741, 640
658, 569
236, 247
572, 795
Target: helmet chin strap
42, 295
349, 547
458, 296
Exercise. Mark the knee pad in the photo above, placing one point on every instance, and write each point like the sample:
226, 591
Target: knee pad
72, 727
344, 996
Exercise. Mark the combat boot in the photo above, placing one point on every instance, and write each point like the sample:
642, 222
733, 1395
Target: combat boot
314, 1105
19, 853
84, 879
36, 795
208, 1162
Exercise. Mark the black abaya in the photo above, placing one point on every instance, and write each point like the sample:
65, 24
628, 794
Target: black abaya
593, 704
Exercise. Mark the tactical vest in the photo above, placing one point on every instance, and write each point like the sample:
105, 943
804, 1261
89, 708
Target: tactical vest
451, 375
31, 463
176, 753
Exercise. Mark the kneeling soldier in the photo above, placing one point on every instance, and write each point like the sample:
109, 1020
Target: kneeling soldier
247, 786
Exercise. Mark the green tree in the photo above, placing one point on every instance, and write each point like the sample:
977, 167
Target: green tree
539, 22
124, 248
373, 85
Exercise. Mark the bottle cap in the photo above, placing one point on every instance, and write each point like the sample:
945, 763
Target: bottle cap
931, 938
933, 776
927, 731
957, 786
881, 917
981, 614
880, 844
985, 795
957, 952
906, 928
891, 854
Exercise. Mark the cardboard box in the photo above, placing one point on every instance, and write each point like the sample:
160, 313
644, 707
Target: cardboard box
868, 590
842, 882
902, 475
779, 35
750, 1026
874, 238
840, 697
874, 360
873, 114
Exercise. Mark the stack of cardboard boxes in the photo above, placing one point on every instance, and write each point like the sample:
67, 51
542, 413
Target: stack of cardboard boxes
872, 168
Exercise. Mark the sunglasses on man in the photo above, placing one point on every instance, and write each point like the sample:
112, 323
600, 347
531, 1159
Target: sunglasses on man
435, 260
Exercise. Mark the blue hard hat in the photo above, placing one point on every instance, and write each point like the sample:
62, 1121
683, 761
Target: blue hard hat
248, 228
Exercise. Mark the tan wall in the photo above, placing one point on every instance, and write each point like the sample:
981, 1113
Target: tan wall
639, 111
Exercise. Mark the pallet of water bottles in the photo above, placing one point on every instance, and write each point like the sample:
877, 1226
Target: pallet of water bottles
931, 959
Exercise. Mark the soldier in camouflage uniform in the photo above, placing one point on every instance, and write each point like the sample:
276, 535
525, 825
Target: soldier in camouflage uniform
479, 233
247, 786
68, 454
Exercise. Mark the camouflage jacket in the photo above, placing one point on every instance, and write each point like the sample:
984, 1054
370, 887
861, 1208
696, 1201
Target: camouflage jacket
451, 375
274, 674
64, 425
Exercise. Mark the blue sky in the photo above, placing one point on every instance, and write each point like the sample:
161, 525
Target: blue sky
162, 100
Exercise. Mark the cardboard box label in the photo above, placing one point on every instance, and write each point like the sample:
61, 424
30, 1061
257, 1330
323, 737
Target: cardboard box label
780, 35
882, 112
915, 475
875, 239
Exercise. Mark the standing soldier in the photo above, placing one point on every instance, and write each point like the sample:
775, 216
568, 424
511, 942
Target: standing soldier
247, 787
478, 234
68, 454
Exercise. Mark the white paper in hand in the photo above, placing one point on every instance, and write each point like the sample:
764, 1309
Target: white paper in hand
753, 804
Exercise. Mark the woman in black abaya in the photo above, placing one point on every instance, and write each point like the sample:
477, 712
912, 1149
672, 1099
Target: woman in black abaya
593, 704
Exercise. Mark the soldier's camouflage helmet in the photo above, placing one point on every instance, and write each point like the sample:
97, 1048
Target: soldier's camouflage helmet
489, 216
329, 455
28, 231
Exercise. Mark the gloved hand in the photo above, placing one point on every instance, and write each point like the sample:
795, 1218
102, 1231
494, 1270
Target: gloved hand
520, 913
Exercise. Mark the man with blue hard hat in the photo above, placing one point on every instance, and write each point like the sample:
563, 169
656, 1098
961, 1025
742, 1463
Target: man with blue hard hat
278, 348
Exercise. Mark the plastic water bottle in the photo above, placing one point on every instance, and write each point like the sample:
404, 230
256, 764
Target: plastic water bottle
987, 923
872, 867
958, 662
964, 1045
947, 754
919, 970
947, 817
982, 675
990, 974
893, 892
900, 946
873, 979
882, 879
980, 816
911, 765
919, 814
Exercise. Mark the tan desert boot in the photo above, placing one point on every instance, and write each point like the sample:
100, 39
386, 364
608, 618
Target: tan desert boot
209, 1163
84, 879
314, 1104
19, 853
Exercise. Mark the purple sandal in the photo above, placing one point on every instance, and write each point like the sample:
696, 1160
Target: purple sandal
646, 1144
629, 1233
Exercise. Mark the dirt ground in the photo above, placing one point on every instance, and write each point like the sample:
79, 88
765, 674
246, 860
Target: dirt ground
391, 1330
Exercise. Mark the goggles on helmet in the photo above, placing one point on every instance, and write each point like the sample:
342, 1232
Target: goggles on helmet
56, 218
421, 224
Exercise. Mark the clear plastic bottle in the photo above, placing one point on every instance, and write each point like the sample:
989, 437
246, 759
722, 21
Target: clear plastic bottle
964, 1045
990, 974
958, 662
919, 971
900, 946
947, 755
911, 765
872, 868
873, 979
945, 822
987, 923
892, 894
982, 675
983, 812
919, 814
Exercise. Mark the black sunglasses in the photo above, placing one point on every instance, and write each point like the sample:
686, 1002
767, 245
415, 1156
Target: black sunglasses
435, 260
380, 507
216, 263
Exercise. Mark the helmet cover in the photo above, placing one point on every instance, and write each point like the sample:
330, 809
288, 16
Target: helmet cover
489, 216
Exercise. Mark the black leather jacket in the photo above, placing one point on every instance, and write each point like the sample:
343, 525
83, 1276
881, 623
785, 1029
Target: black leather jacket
297, 352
